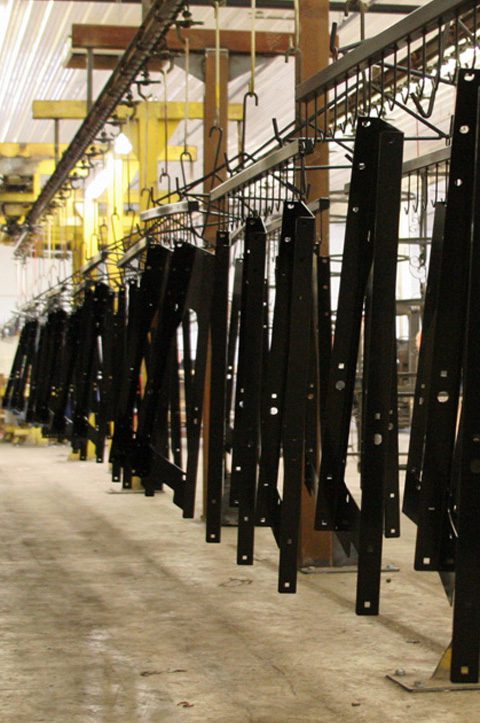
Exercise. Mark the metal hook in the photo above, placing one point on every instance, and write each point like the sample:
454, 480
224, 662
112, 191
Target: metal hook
416, 97
166, 175
216, 129
248, 94
276, 132
149, 192
185, 154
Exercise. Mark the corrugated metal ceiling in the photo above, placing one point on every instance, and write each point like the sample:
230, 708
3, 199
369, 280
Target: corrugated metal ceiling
34, 45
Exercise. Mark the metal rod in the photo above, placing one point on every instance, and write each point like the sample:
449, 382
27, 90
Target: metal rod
133, 252
272, 160
96, 261
89, 79
56, 139
169, 209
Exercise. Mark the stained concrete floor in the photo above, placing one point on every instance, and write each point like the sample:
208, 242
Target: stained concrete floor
112, 608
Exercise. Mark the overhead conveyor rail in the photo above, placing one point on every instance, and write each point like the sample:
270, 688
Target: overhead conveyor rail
147, 41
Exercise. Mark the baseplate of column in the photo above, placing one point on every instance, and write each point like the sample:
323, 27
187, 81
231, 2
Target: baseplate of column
437, 682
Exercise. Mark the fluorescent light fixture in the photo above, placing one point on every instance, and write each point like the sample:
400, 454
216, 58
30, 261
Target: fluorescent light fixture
122, 145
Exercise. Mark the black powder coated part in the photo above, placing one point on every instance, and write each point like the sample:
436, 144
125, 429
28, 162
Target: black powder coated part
144, 302
233, 327
336, 508
16, 368
198, 300
218, 388
378, 372
466, 617
175, 421
169, 319
60, 405
189, 288
391, 503
448, 344
268, 498
324, 333
233, 379
88, 393
52, 335
249, 386
102, 390
422, 386
15, 394
293, 427
35, 372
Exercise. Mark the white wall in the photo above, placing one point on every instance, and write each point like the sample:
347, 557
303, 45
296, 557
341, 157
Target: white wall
8, 348
8, 285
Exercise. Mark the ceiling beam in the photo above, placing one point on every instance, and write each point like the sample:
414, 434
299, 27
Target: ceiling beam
149, 38
335, 6
28, 150
117, 37
77, 110
102, 61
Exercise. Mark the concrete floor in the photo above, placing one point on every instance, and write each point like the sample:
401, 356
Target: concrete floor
112, 608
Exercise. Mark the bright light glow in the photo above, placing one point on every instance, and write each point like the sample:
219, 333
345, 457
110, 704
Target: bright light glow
467, 56
122, 145
100, 181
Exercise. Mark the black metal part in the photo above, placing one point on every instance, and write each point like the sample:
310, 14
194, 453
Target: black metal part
466, 617
336, 508
144, 303
232, 371
378, 368
294, 416
249, 384
273, 402
218, 388
188, 289
422, 386
433, 551
324, 333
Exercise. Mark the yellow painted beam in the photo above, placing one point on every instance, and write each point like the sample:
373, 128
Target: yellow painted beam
17, 197
77, 110
29, 150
